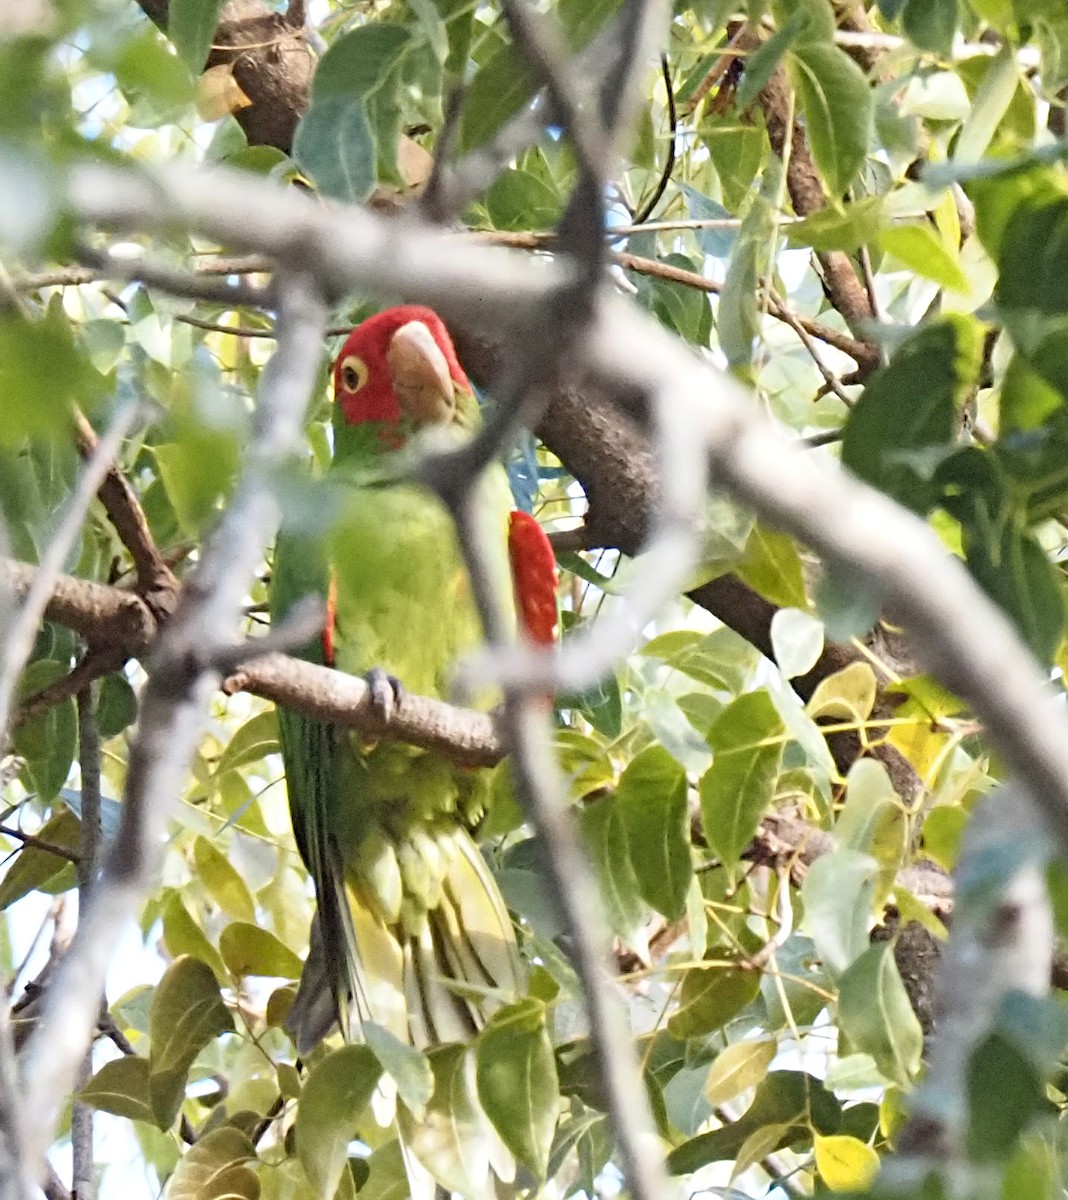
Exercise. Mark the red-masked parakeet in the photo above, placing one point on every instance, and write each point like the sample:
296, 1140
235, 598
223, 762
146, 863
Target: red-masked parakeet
406, 901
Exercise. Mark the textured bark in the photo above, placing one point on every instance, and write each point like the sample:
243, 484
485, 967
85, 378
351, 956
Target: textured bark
271, 62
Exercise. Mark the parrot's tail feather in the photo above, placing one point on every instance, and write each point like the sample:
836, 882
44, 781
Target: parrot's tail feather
469, 940
314, 1010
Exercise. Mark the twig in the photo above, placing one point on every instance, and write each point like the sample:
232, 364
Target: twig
790, 318
91, 666
646, 210
181, 676
83, 1183
432, 202
175, 282
126, 514
30, 839
21, 629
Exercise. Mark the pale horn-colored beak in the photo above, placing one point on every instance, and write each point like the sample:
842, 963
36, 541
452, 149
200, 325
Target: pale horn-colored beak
421, 378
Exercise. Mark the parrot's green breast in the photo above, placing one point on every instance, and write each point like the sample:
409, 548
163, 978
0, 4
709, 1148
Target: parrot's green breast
404, 600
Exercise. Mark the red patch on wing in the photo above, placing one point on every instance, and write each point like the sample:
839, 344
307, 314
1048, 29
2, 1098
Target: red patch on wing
331, 618
534, 576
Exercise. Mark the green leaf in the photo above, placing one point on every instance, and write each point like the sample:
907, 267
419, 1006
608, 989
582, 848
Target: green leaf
121, 1087
190, 26
451, 1139
182, 935
737, 317
34, 868
838, 891
153, 77
710, 658
793, 1103
606, 843
737, 152
334, 146
838, 111
747, 745
990, 105
521, 200
187, 1013
908, 410
116, 707
1035, 228
498, 90
921, 250
515, 1071
222, 882
740, 1067
771, 566
847, 229
931, 24
875, 1014
336, 1092
651, 801
257, 738
360, 61
406, 1065
717, 243
41, 372
49, 741
1005, 1093
216, 1167
711, 996
249, 950
761, 64
387, 1178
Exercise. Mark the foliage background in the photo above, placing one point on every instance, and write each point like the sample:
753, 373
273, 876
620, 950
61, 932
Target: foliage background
811, 190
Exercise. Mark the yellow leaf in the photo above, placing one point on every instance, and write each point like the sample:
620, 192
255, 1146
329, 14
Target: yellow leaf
846, 1164
846, 695
219, 93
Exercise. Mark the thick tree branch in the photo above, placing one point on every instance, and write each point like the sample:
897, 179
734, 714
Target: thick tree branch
271, 62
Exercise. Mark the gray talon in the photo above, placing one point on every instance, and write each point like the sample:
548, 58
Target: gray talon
386, 693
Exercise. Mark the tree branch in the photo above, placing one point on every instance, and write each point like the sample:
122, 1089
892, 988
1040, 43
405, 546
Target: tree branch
181, 677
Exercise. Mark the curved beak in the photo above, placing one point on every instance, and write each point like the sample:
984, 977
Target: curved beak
420, 374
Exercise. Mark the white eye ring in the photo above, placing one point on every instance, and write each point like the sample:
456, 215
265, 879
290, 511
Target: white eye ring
353, 373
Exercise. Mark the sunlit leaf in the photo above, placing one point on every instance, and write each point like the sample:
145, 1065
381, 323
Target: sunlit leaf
838, 109
216, 1168
121, 1087
845, 1163
651, 802
516, 1075
187, 1013
747, 744
248, 949
337, 1091
741, 1066
222, 881
875, 1013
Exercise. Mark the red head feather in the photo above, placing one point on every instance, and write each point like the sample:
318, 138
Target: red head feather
363, 377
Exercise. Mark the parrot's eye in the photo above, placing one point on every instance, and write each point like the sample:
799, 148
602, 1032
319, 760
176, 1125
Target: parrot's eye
353, 373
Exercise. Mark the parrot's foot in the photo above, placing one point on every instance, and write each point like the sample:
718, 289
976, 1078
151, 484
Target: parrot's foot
386, 692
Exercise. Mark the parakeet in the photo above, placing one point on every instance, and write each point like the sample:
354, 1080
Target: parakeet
406, 902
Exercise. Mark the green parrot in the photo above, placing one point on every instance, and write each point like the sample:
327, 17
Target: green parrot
407, 909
